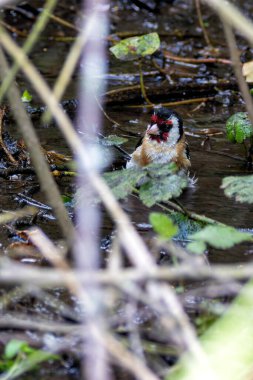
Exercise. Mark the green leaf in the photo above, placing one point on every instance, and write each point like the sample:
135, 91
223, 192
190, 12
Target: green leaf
113, 140
163, 225
239, 127
227, 345
157, 182
26, 97
197, 247
221, 237
29, 363
136, 47
122, 182
239, 187
13, 347
162, 189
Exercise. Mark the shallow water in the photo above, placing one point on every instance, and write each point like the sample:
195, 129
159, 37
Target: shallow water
180, 35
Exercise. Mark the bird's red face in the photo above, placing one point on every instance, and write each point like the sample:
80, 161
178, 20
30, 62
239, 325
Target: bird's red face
161, 127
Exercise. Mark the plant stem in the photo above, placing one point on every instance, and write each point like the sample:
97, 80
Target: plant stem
201, 23
173, 206
143, 90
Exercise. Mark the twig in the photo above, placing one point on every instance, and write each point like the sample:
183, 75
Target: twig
10, 216
231, 14
143, 90
237, 68
201, 23
122, 89
106, 114
12, 29
172, 104
86, 250
65, 23
14, 273
225, 154
192, 215
20, 322
196, 60
127, 359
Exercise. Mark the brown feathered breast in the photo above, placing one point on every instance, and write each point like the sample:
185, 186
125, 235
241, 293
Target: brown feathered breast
152, 152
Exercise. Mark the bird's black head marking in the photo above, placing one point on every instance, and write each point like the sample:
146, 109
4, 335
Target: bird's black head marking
166, 119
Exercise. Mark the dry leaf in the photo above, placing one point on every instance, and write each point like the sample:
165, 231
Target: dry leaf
247, 71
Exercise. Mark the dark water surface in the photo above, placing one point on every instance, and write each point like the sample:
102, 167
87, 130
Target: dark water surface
181, 35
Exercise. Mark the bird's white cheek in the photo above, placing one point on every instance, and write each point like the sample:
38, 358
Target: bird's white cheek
173, 137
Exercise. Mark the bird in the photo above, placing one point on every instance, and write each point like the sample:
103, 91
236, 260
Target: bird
164, 142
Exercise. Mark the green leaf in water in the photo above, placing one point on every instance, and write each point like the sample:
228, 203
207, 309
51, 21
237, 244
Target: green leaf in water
217, 236
163, 225
162, 189
136, 47
157, 182
239, 187
113, 140
13, 347
27, 364
197, 247
68, 200
122, 182
20, 358
26, 97
239, 127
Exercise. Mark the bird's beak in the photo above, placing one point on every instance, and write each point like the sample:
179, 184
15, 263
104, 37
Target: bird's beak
153, 130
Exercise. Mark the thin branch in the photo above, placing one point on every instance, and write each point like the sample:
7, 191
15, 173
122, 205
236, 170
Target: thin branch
172, 57
201, 23
172, 104
232, 15
13, 273
230, 37
143, 90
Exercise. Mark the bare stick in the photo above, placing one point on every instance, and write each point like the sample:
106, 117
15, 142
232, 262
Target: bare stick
176, 58
87, 253
229, 12
201, 23
237, 68
143, 89
13, 273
